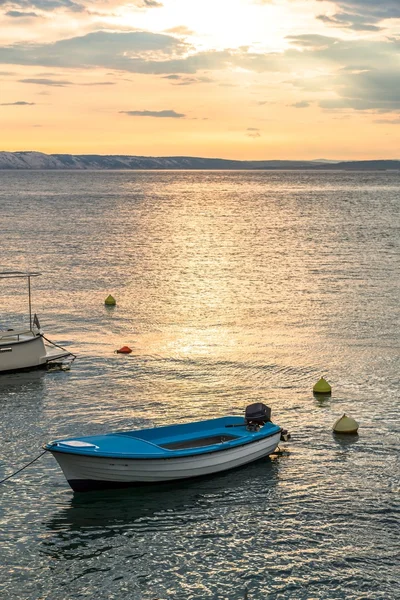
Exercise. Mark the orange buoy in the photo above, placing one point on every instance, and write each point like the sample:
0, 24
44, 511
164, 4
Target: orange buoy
124, 350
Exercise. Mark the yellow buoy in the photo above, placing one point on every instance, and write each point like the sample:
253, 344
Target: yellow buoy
345, 425
110, 301
322, 387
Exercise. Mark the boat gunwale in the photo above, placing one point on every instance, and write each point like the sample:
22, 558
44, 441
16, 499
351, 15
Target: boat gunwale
4, 342
175, 454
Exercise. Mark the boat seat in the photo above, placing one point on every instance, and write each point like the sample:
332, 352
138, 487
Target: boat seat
210, 440
195, 439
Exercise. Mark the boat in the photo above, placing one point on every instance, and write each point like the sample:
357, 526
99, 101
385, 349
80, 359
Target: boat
24, 349
167, 453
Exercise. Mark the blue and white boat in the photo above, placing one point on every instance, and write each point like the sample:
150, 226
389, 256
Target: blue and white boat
169, 453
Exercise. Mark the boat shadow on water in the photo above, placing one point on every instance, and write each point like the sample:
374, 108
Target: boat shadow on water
22, 379
108, 513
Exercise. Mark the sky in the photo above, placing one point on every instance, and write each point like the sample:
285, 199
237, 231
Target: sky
239, 79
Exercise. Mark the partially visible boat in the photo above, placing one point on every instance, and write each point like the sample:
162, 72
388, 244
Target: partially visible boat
168, 453
25, 348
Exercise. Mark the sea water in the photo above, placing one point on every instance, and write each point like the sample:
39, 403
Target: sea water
231, 288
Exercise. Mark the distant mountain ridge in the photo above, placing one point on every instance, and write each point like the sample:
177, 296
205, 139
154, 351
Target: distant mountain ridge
38, 161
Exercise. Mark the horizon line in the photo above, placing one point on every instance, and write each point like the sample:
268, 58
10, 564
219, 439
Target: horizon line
241, 160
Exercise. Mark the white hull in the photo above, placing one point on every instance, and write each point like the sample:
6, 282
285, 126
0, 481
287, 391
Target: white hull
26, 350
22, 350
87, 472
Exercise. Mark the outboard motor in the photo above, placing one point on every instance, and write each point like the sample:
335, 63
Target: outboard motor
257, 415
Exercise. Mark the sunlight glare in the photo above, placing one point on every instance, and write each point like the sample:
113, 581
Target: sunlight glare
222, 24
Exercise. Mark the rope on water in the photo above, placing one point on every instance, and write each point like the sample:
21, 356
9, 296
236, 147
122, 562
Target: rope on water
19, 470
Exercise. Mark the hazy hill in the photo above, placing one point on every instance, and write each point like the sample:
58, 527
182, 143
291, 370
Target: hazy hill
38, 160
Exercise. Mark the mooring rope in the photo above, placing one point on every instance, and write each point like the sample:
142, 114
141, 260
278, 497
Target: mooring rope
19, 470
58, 346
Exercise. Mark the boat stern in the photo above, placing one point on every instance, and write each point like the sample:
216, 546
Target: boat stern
57, 357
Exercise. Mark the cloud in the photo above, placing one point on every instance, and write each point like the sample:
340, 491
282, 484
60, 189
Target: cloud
302, 104
345, 20
184, 80
144, 4
61, 83
19, 103
152, 4
253, 132
98, 83
361, 74
356, 74
379, 9
388, 121
23, 8
324, 51
50, 82
42, 5
180, 30
362, 15
375, 90
165, 114
134, 51
312, 41
17, 14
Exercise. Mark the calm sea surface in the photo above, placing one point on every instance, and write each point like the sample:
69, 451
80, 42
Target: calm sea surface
231, 288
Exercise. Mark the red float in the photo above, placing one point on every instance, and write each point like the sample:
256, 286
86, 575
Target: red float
124, 350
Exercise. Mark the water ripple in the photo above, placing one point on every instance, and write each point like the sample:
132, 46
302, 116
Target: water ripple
231, 288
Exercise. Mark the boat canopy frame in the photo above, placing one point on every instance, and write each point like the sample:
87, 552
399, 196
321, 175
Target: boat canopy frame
27, 275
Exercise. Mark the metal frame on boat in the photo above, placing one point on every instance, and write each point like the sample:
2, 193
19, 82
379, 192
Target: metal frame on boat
165, 454
25, 349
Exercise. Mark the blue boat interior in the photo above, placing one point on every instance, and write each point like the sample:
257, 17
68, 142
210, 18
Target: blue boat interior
199, 442
169, 441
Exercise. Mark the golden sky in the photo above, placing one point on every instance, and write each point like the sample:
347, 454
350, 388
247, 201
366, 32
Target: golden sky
240, 79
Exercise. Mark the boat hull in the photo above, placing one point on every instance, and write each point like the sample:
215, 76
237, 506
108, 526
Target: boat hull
22, 353
26, 352
85, 473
